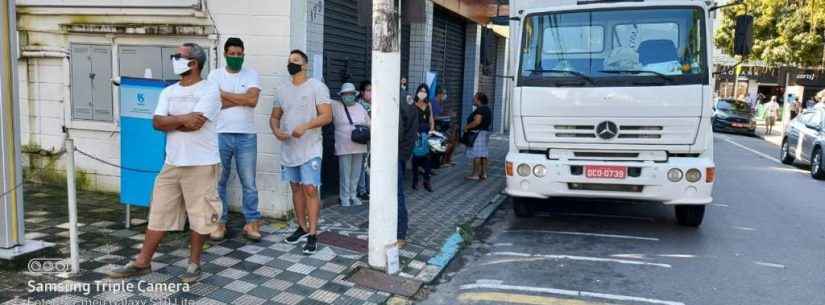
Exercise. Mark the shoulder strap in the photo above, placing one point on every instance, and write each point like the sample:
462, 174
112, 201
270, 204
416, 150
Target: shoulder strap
347, 111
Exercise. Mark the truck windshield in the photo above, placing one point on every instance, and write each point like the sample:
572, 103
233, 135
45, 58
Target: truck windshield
614, 47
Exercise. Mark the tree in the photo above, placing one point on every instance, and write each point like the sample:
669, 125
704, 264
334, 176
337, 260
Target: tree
786, 32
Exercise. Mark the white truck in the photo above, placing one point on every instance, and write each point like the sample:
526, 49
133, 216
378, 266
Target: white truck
611, 99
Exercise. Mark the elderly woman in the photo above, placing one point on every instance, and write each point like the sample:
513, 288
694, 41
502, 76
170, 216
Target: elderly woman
480, 122
346, 115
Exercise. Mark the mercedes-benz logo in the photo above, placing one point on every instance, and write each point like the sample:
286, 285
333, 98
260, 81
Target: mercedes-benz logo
607, 130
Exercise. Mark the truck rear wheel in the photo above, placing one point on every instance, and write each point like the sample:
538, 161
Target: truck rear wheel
690, 215
522, 207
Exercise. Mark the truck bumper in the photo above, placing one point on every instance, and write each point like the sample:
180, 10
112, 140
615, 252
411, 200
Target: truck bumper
651, 184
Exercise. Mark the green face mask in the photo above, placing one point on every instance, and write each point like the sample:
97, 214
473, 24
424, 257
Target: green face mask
348, 100
234, 63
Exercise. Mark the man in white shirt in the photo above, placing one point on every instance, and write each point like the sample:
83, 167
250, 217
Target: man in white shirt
186, 188
239, 88
302, 107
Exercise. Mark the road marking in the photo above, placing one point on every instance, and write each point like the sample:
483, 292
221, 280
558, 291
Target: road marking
677, 255
630, 255
719, 205
565, 292
513, 260
581, 258
772, 265
499, 297
586, 234
755, 152
503, 245
744, 228
649, 219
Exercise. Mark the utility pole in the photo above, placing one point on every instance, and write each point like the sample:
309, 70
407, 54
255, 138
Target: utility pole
386, 77
13, 243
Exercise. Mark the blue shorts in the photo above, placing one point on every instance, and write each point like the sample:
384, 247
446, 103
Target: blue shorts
306, 174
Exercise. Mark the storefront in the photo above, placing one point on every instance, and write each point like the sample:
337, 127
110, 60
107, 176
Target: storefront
753, 81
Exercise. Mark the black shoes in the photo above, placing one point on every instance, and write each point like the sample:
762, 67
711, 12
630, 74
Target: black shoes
428, 187
311, 245
296, 236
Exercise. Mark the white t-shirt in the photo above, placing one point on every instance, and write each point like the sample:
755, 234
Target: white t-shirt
194, 148
299, 104
343, 129
238, 119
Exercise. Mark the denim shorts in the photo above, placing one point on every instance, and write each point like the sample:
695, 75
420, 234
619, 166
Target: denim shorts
306, 174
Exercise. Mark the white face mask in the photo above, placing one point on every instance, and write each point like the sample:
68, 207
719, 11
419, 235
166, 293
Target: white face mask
422, 95
180, 65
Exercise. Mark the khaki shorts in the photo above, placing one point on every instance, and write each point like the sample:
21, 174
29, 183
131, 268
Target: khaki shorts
186, 192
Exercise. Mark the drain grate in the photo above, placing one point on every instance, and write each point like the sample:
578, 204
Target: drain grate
384, 282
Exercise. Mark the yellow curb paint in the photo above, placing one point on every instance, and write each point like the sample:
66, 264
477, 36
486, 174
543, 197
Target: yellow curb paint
520, 299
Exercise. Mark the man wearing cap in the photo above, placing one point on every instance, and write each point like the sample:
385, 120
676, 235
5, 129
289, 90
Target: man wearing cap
346, 115
302, 107
237, 135
186, 188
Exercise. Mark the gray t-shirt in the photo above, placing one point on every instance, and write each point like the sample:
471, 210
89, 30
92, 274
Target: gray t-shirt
299, 104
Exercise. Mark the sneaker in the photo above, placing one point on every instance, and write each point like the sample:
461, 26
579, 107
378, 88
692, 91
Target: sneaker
296, 237
357, 202
252, 231
129, 270
364, 196
219, 233
192, 274
312, 245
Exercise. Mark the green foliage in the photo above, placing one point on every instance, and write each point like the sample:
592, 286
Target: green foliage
786, 32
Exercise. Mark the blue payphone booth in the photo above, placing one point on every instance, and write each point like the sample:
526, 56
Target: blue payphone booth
142, 148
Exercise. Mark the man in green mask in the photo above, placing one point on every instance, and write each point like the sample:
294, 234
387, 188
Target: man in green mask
237, 137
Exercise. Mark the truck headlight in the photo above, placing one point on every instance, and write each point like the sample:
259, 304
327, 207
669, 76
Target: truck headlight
674, 175
523, 170
539, 171
693, 175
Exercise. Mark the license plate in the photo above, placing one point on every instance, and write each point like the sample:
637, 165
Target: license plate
738, 125
606, 172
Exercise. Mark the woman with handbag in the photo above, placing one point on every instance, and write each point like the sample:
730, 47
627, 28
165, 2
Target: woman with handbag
351, 123
477, 136
426, 124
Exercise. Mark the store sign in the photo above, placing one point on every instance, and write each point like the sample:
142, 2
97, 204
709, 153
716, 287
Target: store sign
759, 74
808, 78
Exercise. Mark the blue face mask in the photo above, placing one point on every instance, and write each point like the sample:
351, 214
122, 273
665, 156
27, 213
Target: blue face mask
348, 100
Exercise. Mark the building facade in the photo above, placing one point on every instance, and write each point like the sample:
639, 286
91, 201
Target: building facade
73, 53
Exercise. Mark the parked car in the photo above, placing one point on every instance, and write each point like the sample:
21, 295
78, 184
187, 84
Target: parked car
730, 115
804, 141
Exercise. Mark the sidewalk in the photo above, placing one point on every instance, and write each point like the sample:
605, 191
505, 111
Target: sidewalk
774, 138
245, 273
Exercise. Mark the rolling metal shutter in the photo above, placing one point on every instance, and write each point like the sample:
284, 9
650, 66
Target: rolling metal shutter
449, 31
347, 45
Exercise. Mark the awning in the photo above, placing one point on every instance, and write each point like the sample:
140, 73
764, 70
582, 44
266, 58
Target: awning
479, 11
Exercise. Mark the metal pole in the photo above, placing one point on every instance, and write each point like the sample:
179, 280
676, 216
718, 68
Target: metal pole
128, 215
12, 227
386, 77
72, 193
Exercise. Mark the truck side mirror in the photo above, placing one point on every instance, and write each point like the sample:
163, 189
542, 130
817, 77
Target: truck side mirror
743, 37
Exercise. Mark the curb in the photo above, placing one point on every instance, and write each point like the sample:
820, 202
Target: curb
451, 247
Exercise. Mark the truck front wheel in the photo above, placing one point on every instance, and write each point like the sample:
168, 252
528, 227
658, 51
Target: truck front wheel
522, 207
690, 215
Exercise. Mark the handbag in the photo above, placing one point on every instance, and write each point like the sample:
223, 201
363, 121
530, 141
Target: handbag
361, 133
422, 146
469, 138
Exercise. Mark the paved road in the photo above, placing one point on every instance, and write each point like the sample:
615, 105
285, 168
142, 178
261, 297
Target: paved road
762, 242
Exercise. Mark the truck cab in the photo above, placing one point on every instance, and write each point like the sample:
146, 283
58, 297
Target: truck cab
611, 99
